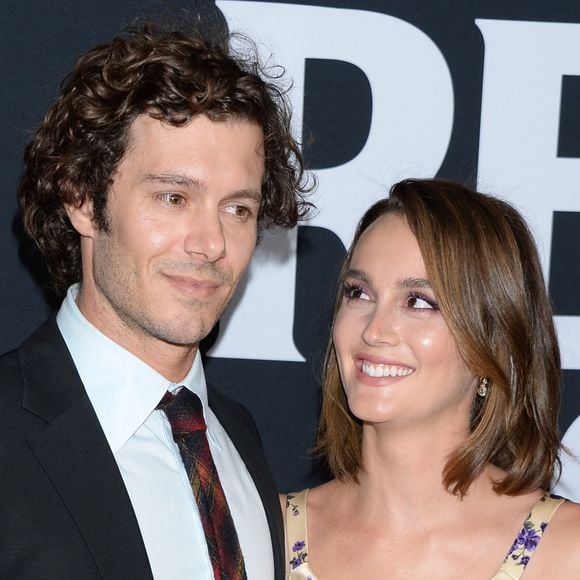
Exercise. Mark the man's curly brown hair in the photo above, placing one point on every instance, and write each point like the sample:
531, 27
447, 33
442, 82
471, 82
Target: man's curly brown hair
172, 76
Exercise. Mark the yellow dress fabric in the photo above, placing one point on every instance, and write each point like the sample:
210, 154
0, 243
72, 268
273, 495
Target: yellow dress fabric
512, 568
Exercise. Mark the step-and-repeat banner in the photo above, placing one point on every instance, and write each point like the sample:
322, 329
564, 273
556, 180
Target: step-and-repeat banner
481, 91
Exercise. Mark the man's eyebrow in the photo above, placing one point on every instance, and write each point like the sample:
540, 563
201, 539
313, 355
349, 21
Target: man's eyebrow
173, 179
191, 182
250, 194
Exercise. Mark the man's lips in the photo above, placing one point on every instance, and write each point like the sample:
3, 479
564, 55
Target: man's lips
195, 287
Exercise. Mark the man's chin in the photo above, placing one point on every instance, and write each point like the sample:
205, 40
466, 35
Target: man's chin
186, 336
182, 327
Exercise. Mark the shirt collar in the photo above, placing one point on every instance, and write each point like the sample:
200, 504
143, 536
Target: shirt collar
125, 390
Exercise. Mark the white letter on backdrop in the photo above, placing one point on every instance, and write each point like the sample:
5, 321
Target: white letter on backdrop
411, 125
520, 113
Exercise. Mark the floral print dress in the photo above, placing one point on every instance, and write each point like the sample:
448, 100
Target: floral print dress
512, 568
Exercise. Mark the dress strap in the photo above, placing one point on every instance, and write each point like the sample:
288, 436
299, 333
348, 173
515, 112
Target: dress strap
528, 538
296, 532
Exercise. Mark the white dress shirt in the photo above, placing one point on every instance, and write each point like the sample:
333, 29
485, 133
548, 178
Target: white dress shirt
124, 392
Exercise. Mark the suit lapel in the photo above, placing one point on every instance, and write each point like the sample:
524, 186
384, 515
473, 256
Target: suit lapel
75, 455
242, 432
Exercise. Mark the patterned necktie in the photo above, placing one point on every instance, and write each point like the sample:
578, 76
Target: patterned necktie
185, 414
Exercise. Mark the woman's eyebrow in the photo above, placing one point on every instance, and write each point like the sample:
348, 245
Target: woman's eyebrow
357, 275
410, 282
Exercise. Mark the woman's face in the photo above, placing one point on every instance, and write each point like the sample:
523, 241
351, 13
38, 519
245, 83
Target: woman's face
398, 360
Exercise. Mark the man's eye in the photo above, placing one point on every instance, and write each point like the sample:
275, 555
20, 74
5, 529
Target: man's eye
239, 211
173, 199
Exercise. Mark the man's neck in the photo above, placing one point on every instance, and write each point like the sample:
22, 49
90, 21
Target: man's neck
172, 361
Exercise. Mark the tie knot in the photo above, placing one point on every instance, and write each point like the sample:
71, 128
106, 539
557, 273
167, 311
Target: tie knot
184, 411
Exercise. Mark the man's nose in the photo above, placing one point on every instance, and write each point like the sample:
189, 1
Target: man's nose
205, 236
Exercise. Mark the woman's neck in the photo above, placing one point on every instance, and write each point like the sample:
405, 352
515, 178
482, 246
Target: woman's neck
403, 474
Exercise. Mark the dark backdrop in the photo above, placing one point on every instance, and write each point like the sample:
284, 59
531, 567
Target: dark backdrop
40, 42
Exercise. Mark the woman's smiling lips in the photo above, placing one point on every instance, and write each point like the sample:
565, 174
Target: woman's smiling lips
369, 369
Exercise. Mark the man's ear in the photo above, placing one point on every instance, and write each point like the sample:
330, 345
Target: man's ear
81, 217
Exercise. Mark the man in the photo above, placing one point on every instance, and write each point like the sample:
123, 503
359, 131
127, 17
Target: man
144, 188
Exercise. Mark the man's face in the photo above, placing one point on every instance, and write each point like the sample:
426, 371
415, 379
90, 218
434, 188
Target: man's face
182, 213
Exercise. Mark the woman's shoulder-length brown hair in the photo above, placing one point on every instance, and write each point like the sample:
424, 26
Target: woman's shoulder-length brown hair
484, 269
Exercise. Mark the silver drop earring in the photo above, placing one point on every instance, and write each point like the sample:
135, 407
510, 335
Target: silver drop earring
483, 386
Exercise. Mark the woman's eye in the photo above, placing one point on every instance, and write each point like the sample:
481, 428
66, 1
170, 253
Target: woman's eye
421, 302
354, 292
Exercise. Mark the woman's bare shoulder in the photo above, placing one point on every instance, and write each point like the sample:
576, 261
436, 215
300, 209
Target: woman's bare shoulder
559, 551
566, 525
322, 495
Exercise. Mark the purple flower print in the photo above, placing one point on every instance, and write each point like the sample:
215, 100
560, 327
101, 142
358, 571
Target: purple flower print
528, 538
300, 556
514, 548
524, 561
526, 542
292, 506
298, 560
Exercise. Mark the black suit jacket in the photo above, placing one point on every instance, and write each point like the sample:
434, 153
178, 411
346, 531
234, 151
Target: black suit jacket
64, 510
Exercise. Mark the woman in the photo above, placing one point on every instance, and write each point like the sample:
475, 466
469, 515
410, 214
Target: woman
440, 402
